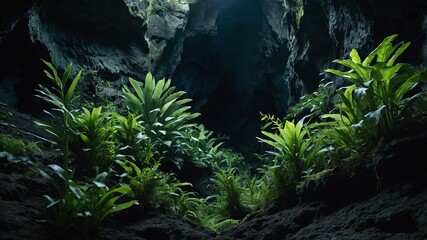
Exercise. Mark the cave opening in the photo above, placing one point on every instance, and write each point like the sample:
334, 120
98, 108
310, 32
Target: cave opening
222, 74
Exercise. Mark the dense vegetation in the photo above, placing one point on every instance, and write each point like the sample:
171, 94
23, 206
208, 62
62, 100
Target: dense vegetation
130, 155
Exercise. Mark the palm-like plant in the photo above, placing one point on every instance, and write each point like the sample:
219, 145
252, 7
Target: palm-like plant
129, 135
96, 148
162, 111
293, 147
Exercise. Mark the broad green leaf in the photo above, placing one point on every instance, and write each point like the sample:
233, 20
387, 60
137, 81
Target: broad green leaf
123, 206
159, 89
149, 87
374, 53
355, 56
388, 72
399, 51
137, 87
406, 86
59, 171
358, 68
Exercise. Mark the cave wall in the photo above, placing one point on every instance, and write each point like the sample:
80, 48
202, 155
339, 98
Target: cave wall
235, 58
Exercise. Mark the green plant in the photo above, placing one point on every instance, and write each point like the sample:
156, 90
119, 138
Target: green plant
185, 203
18, 147
61, 98
162, 111
153, 188
298, 12
197, 143
147, 183
80, 208
208, 216
376, 103
228, 201
351, 132
131, 137
96, 147
255, 193
381, 85
312, 105
150, 185
294, 149
276, 182
16, 150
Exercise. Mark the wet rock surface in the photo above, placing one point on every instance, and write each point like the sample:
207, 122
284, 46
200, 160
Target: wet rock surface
234, 58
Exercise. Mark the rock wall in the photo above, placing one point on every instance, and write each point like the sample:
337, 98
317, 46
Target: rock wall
235, 58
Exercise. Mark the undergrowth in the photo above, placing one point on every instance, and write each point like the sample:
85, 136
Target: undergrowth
116, 158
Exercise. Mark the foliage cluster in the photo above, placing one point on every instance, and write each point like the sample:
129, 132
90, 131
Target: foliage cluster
16, 150
112, 160
378, 101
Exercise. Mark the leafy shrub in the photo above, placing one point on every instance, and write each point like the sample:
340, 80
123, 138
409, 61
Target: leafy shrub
313, 104
377, 102
162, 111
380, 85
80, 208
147, 184
154, 188
17, 147
197, 143
294, 149
229, 199
129, 136
96, 148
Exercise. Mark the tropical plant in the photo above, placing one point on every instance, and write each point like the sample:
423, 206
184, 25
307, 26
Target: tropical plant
312, 104
294, 149
61, 97
228, 201
18, 147
197, 143
131, 137
147, 183
80, 208
255, 193
95, 148
17, 150
381, 86
154, 188
162, 111
351, 132
184, 203
275, 182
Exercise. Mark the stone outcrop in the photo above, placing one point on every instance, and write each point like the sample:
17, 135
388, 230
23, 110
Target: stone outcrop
235, 58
